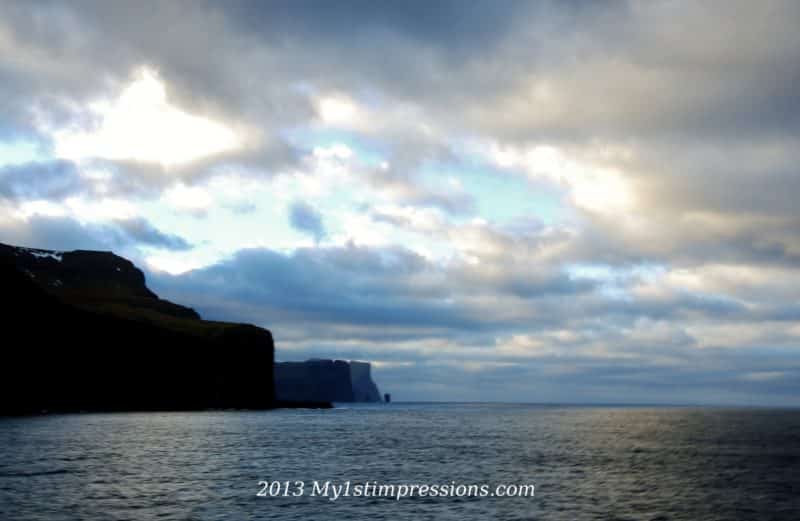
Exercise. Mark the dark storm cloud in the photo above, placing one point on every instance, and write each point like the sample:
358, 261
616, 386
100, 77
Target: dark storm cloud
472, 26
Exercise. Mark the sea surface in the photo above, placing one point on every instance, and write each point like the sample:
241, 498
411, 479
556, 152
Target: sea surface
621, 463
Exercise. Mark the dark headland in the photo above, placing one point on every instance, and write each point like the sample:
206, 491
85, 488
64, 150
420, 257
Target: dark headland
335, 380
82, 332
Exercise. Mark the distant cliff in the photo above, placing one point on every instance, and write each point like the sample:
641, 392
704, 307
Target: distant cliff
81, 331
364, 389
334, 380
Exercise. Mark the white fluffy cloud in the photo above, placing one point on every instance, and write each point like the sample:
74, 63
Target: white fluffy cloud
142, 125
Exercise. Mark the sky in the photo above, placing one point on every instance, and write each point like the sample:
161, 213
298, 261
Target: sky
528, 201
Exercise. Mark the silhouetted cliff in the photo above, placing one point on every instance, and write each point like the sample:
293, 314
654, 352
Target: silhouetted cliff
364, 389
81, 331
334, 380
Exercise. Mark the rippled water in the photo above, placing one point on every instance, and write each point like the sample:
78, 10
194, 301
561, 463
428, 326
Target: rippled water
586, 463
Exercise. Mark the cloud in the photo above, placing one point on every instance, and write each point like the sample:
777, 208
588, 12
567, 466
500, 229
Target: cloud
64, 233
303, 217
446, 23
142, 125
142, 232
40, 180
583, 199
437, 326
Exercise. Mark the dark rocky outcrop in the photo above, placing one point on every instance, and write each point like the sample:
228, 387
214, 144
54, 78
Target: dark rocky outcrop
333, 380
81, 331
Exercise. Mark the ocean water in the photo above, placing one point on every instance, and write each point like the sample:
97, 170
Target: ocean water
620, 463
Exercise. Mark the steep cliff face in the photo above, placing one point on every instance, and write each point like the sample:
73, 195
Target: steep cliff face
82, 332
332, 380
313, 380
364, 389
